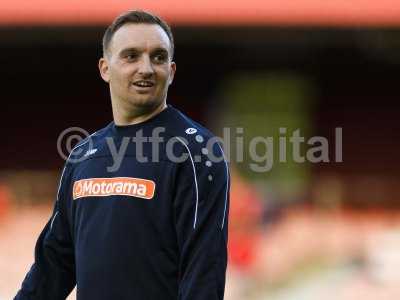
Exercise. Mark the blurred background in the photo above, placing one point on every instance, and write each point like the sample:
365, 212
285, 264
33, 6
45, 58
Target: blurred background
299, 230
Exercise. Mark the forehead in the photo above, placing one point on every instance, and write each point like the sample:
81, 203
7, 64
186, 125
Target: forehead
140, 36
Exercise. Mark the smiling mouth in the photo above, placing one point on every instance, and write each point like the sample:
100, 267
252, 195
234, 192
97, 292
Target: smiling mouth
143, 84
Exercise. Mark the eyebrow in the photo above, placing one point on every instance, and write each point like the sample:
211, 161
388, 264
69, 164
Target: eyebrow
138, 50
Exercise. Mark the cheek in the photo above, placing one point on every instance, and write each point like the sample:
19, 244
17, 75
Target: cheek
120, 72
163, 74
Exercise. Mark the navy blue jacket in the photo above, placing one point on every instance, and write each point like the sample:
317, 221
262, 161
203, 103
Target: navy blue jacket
147, 224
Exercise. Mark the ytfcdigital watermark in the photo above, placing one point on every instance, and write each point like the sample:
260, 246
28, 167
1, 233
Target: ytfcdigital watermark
259, 152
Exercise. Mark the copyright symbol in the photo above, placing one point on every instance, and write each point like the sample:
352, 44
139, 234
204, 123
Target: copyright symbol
68, 139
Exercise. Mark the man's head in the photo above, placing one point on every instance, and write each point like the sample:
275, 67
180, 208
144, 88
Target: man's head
137, 61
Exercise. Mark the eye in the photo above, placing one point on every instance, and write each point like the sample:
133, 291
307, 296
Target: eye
160, 58
131, 56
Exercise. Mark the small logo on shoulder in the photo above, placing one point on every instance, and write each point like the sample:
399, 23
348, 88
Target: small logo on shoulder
90, 152
191, 130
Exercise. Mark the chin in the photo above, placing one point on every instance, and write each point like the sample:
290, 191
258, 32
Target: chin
145, 102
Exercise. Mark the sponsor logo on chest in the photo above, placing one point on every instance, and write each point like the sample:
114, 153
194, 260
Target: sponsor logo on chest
116, 186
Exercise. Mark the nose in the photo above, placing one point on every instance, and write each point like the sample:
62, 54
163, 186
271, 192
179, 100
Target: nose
145, 67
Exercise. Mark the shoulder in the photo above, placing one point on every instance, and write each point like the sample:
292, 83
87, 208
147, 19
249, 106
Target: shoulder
193, 136
204, 150
87, 146
186, 129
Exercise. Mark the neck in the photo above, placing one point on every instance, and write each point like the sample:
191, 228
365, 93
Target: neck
134, 116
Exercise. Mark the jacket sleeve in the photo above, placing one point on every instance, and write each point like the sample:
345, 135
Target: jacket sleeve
52, 276
201, 205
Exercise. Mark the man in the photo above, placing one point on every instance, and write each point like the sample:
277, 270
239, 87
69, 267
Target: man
142, 208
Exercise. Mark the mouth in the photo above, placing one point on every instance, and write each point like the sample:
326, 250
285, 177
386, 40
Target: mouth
144, 84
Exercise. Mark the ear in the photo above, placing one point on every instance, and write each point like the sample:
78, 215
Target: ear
104, 69
172, 73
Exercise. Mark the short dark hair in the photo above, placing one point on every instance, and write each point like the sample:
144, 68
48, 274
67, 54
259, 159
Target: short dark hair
136, 17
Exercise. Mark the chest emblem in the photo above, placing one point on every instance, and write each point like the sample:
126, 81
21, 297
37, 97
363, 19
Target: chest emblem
116, 186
